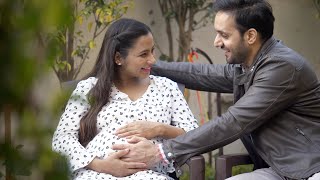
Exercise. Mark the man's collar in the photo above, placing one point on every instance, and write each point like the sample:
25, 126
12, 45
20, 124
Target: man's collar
265, 48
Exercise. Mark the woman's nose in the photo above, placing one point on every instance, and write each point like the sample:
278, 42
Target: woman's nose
152, 59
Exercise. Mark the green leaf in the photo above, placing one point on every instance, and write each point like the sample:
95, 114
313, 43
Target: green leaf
19, 146
92, 44
90, 26
80, 20
61, 66
108, 18
68, 66
98, 11
79, 33
74, 53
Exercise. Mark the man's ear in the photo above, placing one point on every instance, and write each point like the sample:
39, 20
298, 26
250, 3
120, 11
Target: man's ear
251, 36
117, 58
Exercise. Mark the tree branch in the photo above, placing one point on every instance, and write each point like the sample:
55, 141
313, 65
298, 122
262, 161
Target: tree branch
317, 5
165, 12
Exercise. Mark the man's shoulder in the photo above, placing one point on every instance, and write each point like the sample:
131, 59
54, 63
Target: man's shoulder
279, 52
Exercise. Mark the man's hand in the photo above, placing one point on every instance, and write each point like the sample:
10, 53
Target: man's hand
144, 129
115, 166
141, 150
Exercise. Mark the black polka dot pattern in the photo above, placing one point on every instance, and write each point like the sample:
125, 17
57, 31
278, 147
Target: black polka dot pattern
162, 102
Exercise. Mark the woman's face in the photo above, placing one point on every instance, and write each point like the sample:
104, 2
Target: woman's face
137, 64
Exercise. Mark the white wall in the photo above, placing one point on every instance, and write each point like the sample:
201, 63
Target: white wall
297, 25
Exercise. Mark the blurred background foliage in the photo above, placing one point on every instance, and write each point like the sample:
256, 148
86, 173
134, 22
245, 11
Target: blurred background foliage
35, 37
23, 59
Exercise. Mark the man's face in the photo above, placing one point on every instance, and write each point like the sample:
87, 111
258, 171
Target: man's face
229, 39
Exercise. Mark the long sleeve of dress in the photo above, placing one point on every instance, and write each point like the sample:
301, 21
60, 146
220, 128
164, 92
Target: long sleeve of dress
65, 139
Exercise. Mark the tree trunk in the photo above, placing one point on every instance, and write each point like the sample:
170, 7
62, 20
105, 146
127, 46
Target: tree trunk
7, 136
164, 10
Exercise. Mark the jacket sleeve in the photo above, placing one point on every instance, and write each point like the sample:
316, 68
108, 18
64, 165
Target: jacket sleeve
203, 77
273, 89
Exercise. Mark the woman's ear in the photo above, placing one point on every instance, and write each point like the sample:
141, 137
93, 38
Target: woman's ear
117, 58
251, 36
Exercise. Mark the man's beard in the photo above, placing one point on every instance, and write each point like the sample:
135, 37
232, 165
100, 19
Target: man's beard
239, 56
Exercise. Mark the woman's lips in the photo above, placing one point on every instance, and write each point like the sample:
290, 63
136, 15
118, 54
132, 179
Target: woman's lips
148, 69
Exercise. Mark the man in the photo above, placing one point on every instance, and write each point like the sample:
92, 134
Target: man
277, 99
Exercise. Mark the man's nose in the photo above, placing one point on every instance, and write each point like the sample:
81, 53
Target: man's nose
217, 41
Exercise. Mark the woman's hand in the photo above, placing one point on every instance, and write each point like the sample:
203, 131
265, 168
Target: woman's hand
149, 130
115, 166
144, 129
141, 150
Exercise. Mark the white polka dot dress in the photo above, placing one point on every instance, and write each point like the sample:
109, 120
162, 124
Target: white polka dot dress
162, 102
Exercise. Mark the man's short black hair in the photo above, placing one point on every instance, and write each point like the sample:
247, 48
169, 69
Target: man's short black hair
248, 14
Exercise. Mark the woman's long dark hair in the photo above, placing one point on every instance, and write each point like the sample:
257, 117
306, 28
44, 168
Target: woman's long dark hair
120, 37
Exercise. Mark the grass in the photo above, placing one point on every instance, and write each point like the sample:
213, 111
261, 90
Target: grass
210, 172
241, 169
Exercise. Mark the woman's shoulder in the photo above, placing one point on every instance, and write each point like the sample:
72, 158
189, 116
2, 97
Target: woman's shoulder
89, 81
86, 84
163, 82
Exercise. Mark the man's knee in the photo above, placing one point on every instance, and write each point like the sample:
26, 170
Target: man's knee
261, 174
